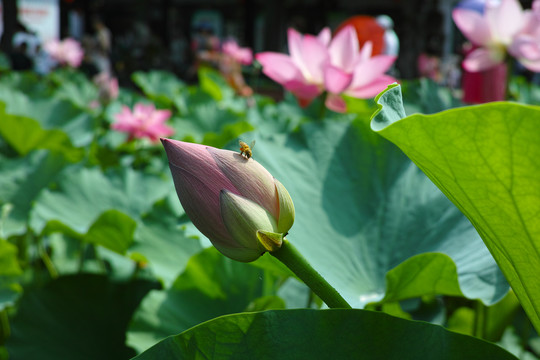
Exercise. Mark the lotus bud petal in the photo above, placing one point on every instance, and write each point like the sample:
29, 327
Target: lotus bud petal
286, 208
230, 199
243, 218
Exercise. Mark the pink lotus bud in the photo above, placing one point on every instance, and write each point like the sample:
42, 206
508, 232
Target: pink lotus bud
233, 201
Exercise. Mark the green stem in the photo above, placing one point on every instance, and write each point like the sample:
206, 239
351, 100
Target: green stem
322, 110
310, 299
480, 320
5, 329
289, 256
82, 256
47, 261
509, 71
98, 258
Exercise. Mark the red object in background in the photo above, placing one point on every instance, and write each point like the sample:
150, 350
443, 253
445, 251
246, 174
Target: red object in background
484, 86
367, 29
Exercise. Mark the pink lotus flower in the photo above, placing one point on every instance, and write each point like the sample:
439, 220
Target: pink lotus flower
144, 121
241, 55
502, 27
301, 72
526, 44
232, 200
66, 52
353, 71
319, 63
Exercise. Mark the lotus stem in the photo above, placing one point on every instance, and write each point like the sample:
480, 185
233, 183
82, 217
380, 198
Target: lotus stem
292, 258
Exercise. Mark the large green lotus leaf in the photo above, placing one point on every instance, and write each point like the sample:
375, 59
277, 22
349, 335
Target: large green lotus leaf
513, 342
214, 84
486, 160
282, 117
21, 181
161, 86
363, 208
76, 317
426, 96
113, 230
163, 244
25, 134
321, 334
211, 285
9, 264
28, 82
83, 194
51, 113
524, 91
74, 86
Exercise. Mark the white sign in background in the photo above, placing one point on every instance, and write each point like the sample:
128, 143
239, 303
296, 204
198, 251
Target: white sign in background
39, 16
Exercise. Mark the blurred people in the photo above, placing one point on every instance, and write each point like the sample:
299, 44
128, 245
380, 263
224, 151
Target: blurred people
19, 58
103, 36
101, 47
391, 40
76, 23
232, 58
107, 87
205, 46
429, 66
30, 38
43, 62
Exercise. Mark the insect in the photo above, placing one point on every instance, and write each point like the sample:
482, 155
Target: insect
246, 150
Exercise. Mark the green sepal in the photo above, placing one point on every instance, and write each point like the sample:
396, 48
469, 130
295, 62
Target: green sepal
271, 241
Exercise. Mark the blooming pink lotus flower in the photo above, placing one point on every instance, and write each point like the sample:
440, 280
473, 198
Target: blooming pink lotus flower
242, 55
301, 72
144, 121
319, 63
495, 32
353, 71
66, 52
232, 200
526, 44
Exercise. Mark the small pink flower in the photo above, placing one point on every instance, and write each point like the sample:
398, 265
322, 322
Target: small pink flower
229, 198
241, 55
144, 121
66, 52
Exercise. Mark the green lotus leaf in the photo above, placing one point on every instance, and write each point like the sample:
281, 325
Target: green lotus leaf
321, 334
485, 159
